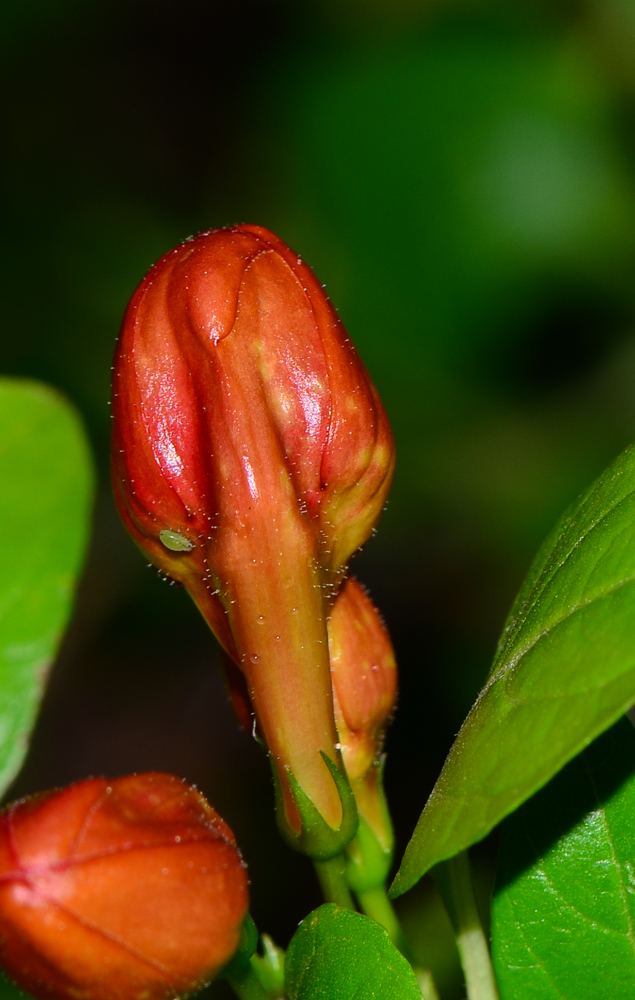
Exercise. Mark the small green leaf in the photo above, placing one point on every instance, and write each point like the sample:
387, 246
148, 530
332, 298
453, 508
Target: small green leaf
563, 673
339, 955
45, 493
563, 920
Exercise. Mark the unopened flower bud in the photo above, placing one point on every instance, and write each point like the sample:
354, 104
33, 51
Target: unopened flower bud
118, 890
251, 458
364, 675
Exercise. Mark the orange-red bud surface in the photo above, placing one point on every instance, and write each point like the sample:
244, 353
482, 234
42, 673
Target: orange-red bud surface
251, 458
364, 674
131, 889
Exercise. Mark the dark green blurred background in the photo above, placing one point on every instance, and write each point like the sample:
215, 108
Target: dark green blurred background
462, 176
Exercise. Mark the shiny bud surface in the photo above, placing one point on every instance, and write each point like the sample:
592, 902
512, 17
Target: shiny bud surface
129, 889
251, 458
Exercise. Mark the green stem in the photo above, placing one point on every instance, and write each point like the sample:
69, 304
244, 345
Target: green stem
375, 904
426, 984
455, 883
332, 876
246, 985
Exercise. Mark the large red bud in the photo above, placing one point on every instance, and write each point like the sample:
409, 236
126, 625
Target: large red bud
118, 890
251, 458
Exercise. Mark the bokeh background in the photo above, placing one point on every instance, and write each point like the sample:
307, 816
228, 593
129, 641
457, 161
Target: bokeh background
461, 175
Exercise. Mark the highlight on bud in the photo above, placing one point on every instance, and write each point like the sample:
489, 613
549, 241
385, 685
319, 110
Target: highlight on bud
251, 459
115, 890
364, 676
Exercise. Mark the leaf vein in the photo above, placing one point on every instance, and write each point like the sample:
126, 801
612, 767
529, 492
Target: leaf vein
623, 888
506, 668
543, 582
545, 878
540, 964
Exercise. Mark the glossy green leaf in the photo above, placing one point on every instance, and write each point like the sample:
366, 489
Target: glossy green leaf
563, 920
564, 672
339, 955
45, 493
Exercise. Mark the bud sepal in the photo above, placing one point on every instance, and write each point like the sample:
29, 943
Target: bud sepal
269, 967
316, 838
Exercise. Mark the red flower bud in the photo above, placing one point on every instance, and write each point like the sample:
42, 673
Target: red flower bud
117, 890
251, 458
364, 675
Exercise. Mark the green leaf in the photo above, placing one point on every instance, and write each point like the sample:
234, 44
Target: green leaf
563, 920
45, 493
564, 672
339, 955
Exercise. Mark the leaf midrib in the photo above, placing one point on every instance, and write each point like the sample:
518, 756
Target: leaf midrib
511, 664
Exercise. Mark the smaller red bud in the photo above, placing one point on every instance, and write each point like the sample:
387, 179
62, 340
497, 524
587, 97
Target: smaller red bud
131, 889
364, 676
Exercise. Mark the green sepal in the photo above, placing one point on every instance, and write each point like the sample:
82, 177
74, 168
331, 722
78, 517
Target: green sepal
317, 839
246, 947
269, 967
